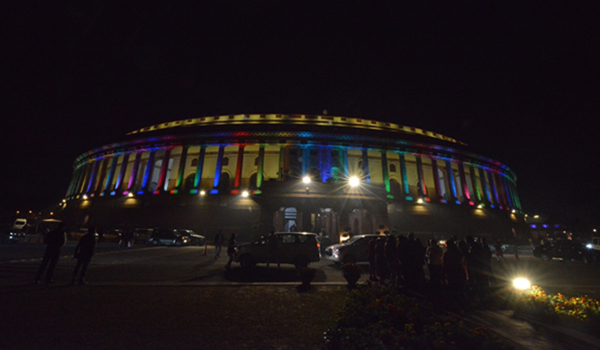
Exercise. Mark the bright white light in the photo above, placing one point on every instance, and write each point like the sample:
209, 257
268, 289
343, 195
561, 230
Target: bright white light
521, 283
589, 246
306, 179
202, 193
536, 216
130, 194
514, 211
245, 194
420, 200
354, 181
85, 196
480, 206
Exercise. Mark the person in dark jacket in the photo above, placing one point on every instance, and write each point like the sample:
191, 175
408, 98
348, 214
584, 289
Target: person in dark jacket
230, 250
84, 252
55, 240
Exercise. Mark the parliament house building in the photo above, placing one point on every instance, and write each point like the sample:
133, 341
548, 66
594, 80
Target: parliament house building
252, 173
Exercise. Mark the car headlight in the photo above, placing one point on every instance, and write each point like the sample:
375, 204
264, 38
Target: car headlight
589, 246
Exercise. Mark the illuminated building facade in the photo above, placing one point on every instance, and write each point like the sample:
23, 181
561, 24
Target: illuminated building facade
251, 173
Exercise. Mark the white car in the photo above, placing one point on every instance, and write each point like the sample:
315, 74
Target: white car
351, 251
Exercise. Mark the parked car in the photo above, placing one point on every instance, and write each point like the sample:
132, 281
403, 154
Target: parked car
195, 239
297, 248
19, 224
142, 235
168, 237
560, 249
111, 235
351, 251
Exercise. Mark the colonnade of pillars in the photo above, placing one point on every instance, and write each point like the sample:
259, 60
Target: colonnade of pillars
453, 180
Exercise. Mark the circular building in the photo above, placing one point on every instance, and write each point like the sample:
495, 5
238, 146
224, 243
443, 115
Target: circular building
252, 173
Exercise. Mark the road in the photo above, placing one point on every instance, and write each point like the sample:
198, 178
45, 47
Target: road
152, 265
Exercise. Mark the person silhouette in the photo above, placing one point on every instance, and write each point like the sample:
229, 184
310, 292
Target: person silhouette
55, 240
84, 252
230, 250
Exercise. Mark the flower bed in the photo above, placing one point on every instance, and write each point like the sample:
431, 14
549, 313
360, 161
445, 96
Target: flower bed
377, 317
582, 313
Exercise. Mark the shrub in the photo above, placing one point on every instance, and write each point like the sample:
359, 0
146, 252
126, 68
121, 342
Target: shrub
378, 317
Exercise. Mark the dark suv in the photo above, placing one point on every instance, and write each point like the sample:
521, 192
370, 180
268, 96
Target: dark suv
168, 237
560, 249
298, 248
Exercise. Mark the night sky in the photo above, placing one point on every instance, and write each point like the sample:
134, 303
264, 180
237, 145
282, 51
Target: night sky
518, 81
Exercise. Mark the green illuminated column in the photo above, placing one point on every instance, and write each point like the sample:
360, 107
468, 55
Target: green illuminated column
475, 183
199, 168
386, 175
261, 166
404, 175
343, 155
181, 171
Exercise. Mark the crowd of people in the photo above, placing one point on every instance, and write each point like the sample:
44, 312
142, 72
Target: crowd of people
462, 268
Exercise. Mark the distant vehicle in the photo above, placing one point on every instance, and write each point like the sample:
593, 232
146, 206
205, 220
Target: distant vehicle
195, 239
592, 253
297, 248
77, 234
19, 224
168, 237
112, 235
142, 235
8, 235
560, 249
351, 251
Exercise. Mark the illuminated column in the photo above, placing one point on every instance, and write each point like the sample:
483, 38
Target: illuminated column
283, 162
111, 174
500, 186
85, 176
451, 180
436, 178
199, 168
422, 184
365, 165
516, 195
328, 161
493, 187
386, 175
404, 175
75, 181
476, 186
93, 176
99, 181
134, 172
218, 170
163, 171
71, 185
305, 159
463, 181
181, 170
238, 170
343, 155
322, 162
261, 166
486, 189
122, 172
148, 173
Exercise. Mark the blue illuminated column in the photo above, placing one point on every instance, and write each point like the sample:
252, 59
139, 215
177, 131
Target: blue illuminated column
122, 172
500, 187
484, 184
181, 170
322, 162
385, 173
343, 155
93, 176
218, 170
436, 178
305, 159
365, 165
199, 168
422, 184
148, 173
493, 187
163, 171
451, 180
134, 172
404, 175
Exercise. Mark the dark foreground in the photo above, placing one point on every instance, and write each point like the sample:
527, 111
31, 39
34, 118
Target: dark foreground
142, 317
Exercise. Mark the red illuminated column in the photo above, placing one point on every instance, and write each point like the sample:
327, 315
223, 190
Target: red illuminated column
238, 170
163, 171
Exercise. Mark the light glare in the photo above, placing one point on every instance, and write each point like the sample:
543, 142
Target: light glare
354, 181
521, 283
306, 179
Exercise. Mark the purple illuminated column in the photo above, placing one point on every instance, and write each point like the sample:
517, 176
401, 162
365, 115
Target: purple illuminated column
218, 170
134, 172
122, 172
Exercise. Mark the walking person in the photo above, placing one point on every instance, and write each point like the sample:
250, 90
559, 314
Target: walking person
218, 244
230, 250
54, 241
434, 255
84, 252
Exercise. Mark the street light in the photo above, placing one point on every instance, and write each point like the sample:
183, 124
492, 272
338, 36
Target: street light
354, 181
245, 194
306, 179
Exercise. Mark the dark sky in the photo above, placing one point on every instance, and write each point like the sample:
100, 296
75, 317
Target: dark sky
517, 82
